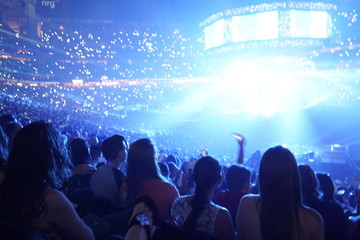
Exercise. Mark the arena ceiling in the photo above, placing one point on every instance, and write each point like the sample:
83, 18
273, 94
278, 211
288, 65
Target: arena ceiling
136, 10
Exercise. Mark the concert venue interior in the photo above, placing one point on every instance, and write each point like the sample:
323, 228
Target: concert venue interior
190, 73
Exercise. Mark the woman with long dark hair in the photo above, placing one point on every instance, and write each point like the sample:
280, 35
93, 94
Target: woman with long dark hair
197, 212
278, 213
143, 177
38, 166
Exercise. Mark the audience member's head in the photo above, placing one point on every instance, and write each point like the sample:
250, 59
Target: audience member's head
115, 150
238, 178
173, 159
37, 161
308, 183
164, 169
280, 194
11, 129
207, 175
173, 170
141, 165
327, 186
79, 151
95, 152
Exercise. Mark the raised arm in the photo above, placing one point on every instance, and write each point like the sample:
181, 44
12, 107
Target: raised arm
240, 139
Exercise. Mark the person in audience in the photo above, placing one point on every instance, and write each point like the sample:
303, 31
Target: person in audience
326, 186
96, 155
80, 157
143, 177
333, 215
238, 184
38, 166
164, 169
277, 212
197, 212
174, 172
172, 159
107, 180
11, 129
82, 165
142, 223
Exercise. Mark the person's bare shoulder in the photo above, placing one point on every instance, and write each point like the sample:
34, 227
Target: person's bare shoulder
313, 223
249, 199
53, 197
247, 206
311, 215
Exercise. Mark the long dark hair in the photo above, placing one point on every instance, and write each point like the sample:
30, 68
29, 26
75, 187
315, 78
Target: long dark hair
3, 149
206, 173
39, 160
79, 151
280, 195
309, 183
141, 165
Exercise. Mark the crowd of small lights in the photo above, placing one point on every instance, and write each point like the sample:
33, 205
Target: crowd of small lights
99, 53
136, 55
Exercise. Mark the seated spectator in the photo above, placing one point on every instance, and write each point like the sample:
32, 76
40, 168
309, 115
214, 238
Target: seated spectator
172, 159
332, 213
238, 184
107, 180
197, 212
83, 168
142, 220
174, 173
96, 155
80, 157
278, 212
164, 169
38, 167
326, 186
143, 177
11, 129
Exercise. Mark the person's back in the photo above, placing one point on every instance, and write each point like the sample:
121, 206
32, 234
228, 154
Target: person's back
107, 180
238, 185
278, 213
197, 212
143, 177
249, 228
164, 195
38, 166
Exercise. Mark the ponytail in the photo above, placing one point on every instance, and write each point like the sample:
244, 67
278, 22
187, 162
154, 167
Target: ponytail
206, 174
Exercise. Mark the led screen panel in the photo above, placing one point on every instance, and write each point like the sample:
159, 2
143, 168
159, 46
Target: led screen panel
254, 27
215, 34
310, 24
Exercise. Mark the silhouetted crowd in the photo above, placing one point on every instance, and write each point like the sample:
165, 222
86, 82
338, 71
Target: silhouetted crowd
72, 185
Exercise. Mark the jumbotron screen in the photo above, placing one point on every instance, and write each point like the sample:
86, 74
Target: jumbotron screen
269, 25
